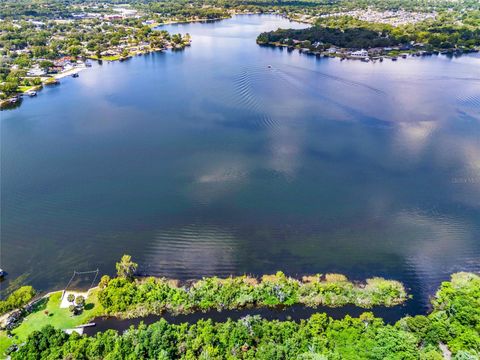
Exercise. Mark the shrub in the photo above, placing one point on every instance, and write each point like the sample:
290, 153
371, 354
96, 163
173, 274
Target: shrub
17, 299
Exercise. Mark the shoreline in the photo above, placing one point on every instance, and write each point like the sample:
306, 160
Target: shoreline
95, 318
70, 72
245, 292
15, 100
253, 336
360, 294
345, 54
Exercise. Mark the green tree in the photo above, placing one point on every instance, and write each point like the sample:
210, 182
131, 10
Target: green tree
72, 308
126, 267
45, 64
17, 299
80, 301
104, 281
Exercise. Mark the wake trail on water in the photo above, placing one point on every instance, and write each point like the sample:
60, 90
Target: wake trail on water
341, 80
252, 84
303, 86
244, 86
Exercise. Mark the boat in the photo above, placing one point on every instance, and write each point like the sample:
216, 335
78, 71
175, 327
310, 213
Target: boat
75, 75
88, 64
2, 273
31, 93
394, 58
381, 59
269, 66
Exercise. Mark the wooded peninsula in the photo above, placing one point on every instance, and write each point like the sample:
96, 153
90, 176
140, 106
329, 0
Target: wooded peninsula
452, 328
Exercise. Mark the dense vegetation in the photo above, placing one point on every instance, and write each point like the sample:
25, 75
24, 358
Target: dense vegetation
64, 8
126, 296
24, 45
153, 295
17, 299
453, 326
355, 38
447, 31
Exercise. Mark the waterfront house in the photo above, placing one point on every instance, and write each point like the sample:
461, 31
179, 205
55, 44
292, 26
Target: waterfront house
359, 54
61, 62
109, 53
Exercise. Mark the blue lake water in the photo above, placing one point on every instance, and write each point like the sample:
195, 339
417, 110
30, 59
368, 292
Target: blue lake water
209, 162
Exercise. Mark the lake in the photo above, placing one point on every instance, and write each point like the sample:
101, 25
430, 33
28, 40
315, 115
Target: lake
231, 158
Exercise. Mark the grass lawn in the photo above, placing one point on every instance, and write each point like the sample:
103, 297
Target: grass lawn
59, 318
25, 88
106, 58
51, 80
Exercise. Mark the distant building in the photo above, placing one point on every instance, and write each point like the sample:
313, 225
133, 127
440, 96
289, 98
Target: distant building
36, 71
113, 17
63, 61
359, 54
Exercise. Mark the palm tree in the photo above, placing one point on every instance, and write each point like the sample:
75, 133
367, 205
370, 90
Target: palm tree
126, 267
71, 298
80, 301
72, 308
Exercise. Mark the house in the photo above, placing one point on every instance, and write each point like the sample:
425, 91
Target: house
36, 71
359, 54
113, 17
61, 62
109, 53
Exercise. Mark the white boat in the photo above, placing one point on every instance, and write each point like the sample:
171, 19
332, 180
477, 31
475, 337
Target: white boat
31, 93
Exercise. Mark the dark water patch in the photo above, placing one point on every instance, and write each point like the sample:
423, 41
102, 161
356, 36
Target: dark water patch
293, 313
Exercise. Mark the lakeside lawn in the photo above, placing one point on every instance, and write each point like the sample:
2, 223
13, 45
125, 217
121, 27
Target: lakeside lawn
24, 89
57, 317
106, 58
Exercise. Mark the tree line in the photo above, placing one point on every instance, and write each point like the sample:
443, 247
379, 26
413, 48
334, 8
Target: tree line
447, 31
453, 327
